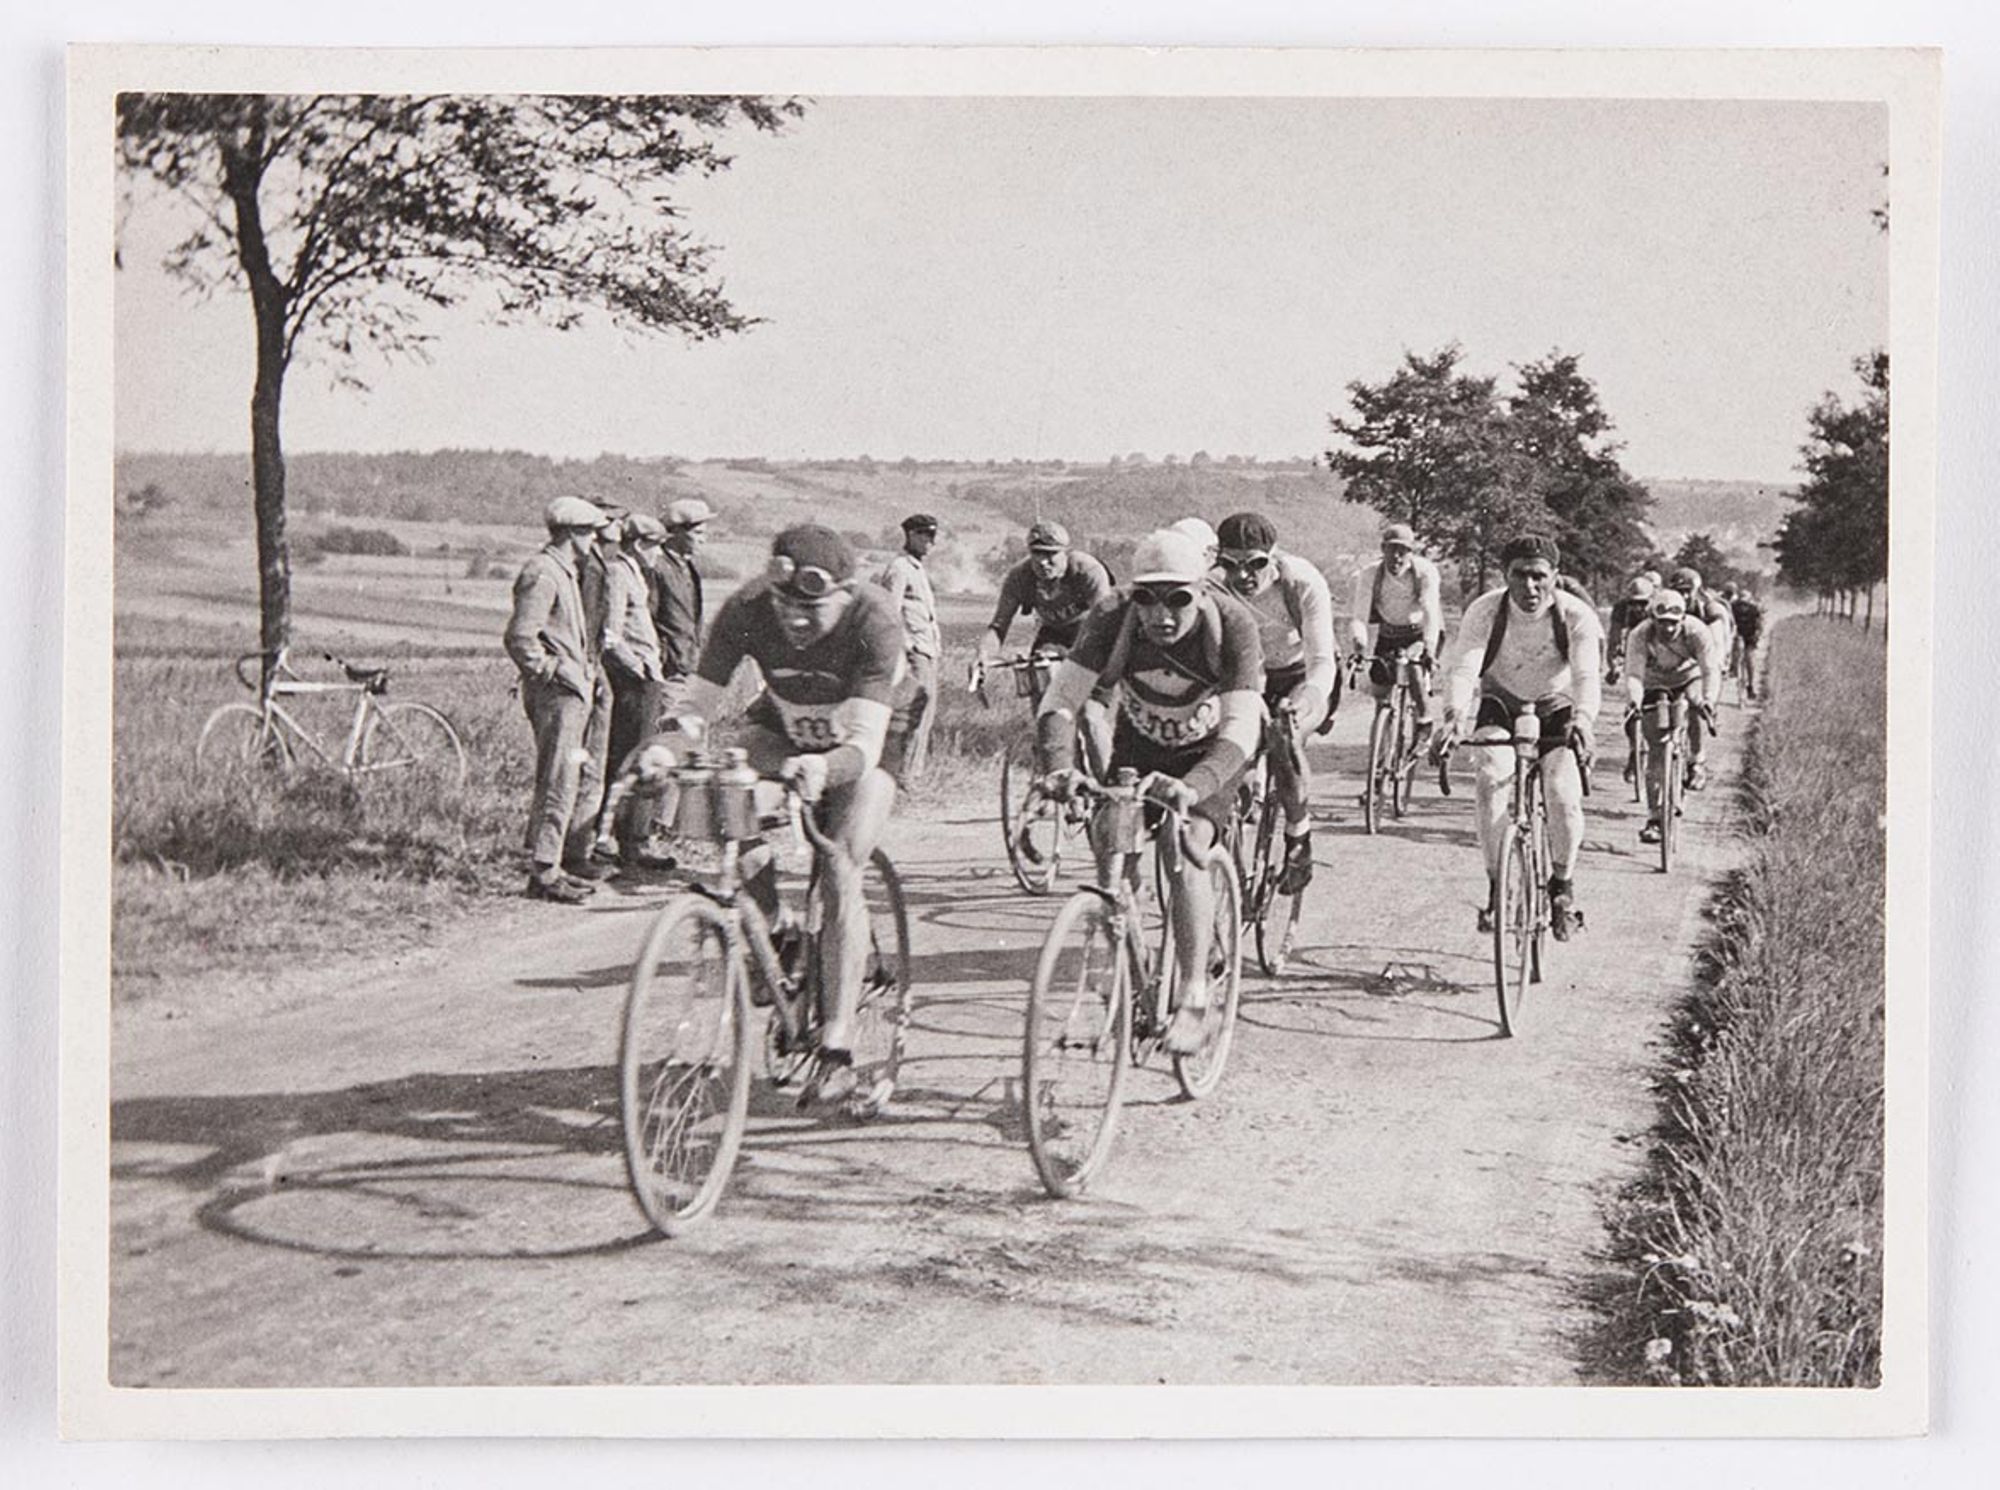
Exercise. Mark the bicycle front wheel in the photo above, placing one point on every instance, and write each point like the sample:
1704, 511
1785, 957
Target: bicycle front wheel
240, 737
1272, 914
1381, 740
1077, 1044
1670, 808
684, 1064
882, 1005
1402, 762
413, 740
1029, 822
1513, 928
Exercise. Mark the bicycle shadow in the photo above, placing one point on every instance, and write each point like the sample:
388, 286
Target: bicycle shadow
1379, 1005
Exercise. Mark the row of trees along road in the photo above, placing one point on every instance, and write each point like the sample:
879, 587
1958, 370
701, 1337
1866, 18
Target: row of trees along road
1835, 546
347, 217
1468, 467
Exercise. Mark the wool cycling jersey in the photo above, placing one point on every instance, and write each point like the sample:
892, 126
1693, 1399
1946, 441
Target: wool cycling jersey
1749, 616
1197, 697
1674, 660
1404, 606
1526, 658
809, 691
1059, 605
1294, 615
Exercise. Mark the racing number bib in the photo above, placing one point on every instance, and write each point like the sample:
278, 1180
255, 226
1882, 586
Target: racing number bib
1174, 726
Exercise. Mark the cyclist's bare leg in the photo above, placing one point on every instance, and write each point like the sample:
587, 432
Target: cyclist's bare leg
1697, 736
1492, 794
1291, 778
1562, 786
1094, 732
1191, 903
853, 817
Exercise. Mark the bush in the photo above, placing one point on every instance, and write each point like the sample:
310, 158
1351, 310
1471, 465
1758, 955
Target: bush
340, 540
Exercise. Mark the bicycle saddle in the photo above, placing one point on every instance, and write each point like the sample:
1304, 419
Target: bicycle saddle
374, 679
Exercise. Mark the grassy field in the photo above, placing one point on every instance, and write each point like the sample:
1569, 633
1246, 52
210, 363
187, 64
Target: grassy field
1755, 1239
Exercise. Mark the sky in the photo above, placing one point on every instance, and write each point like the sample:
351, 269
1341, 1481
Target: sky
1073, 278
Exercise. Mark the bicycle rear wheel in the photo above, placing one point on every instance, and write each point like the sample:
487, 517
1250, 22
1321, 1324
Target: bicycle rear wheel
1030, 823
414, 741
1380, 743
239, 737
882, 1005
1513, 928
684, 1064
1670, 806
1272, 914
1200, 1069
1077, 1044
1402, 761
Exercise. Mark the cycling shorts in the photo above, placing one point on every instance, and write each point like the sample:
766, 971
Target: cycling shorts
1279, 683
1130, 748
1556, 713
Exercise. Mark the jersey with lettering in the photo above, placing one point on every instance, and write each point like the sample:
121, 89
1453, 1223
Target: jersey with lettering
804, 687
1172, 693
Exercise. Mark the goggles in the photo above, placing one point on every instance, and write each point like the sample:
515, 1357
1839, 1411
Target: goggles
1168, 597
1248, 564
801, 582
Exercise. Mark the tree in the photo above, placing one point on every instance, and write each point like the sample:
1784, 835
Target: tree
1837, 543
1562, 431
1701, 553
1430, 446
346, 217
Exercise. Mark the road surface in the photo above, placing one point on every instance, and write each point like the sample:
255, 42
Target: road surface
405, 1173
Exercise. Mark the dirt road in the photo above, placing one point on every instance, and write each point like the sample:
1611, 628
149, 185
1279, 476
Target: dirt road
410, 1174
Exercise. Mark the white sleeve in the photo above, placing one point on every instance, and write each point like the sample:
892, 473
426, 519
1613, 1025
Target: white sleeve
1357, 606
1586, 658
863, 723
1464, 655
1316, 627
1068, 690
1242, 722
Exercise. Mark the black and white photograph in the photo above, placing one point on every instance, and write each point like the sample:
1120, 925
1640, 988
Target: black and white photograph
953, 720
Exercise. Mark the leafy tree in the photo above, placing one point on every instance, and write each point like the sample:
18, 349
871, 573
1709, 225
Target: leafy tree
347, 217
1563, 433
1837, 543
1430, 446
1701, 553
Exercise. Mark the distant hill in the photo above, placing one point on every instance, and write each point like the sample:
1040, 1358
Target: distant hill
1738, 515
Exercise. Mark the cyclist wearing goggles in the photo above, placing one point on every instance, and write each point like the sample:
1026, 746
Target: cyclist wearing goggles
1399, 595
1294, 612
1671, 655
1191, 667
831, 655
1056, 584
1531, 647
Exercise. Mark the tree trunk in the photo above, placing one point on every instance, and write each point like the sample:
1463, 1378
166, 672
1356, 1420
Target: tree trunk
1868, 620
242, 173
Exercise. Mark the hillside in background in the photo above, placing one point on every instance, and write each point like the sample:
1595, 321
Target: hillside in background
186, 573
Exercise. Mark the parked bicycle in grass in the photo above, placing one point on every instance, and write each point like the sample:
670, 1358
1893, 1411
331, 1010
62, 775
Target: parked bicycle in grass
1108, 988
712, 960
410, 740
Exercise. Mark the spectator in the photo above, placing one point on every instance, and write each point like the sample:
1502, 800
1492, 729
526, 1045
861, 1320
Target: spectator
550, 641
909, 585
593, 578
677, 600
632, 665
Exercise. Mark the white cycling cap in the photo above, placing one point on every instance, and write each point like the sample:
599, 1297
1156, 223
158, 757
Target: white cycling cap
1168, 554
1196, 529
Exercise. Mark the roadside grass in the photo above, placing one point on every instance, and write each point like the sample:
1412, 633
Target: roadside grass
1751, 1247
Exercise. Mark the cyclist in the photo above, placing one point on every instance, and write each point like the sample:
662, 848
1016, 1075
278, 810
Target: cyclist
831, 655
1671, 655
1625, 614
1748, 614
1294, 612
1199, 530
1189, 669
1704, 604
1399, 595
1528, 648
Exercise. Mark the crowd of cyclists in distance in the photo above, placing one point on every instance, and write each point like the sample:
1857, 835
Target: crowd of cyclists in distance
1179, 672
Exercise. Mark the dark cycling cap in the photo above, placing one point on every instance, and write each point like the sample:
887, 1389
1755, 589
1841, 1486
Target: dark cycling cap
1246, 530
1686, 578
809, 544
1048, 535
1529, 547
920, 522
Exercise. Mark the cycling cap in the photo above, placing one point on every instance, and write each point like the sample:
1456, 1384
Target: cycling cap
1686, 578
1528, 548
642, 525
1198, 530
1667, 603
1168, 554
573, 512
1048, 536
688, 512
809, 546
920, 522
1640, 589
1247, 530
1399, 534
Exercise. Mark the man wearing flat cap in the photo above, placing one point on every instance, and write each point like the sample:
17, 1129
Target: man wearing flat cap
677, 597
909, 585
550, 641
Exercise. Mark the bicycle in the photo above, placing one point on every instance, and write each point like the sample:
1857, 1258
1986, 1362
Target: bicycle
1392, 760
1036, 830
1520, 906
1670, 713
709, 963
1102, 999
1257, 838
404, 736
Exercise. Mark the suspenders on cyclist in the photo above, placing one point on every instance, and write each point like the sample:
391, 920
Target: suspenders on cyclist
1498, 633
